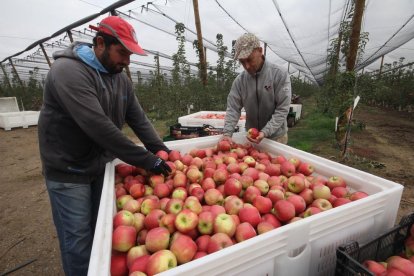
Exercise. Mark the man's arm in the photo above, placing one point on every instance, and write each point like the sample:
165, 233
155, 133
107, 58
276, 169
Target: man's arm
283, 98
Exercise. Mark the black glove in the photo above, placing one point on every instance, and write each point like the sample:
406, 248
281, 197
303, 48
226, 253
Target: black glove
160, 167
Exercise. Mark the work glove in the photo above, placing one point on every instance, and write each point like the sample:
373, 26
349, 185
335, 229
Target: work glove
160, 167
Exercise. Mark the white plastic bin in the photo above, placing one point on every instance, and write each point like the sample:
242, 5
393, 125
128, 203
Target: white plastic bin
23, 119
198, 119
298, 109
306, 247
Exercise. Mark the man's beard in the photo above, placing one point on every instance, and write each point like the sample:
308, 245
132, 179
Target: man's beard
109, 66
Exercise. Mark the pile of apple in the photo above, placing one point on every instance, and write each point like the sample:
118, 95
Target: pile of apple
397, 265
218, 116
214, 197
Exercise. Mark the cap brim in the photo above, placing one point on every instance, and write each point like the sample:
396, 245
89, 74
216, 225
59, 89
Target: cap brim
133, 47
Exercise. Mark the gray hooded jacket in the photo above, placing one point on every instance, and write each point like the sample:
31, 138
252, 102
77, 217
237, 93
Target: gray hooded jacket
81, 119
266, 98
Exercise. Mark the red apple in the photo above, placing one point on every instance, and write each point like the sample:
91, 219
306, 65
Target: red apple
264, 227
253, 133
184, 248
123, 238
357, 195
263, 204
322, 204
205, 223
218, 242
296, 184
119, 264
250, 214
224, 223
186, 220
321, 191
213, 196
157, 239
335, 181
298, 202
160, 261
139, 265
244, 231
284, 210
123, 217
287, 168
232, 205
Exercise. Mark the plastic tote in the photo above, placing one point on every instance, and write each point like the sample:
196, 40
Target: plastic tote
306, 247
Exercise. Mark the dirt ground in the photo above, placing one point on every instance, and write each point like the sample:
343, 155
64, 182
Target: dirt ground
385, 148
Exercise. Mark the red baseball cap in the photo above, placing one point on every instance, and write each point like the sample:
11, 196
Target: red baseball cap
123, 31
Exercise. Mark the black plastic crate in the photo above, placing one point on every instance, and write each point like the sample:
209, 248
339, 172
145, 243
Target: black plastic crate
350, 256
178, 132
209, 130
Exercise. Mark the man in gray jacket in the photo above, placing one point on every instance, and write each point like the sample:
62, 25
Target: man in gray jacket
87, 100
264, 91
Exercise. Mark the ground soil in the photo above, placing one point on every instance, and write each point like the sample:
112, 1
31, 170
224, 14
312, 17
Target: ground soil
384, 147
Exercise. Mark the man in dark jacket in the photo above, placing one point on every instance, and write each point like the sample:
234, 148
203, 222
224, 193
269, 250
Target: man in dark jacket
87, 100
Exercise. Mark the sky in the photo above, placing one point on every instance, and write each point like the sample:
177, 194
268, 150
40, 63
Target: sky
298, 39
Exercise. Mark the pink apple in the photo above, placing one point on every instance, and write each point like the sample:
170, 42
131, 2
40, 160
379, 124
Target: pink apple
321, 191
148, 205
246, 181
120, 201
123, 217
139, 265
137, 190
249, 160
186, 220
134, 253
250, 214
179, 180
253, 133
284, 210
262, 185
174, 155
287, 168
232, 187
152, 220
341, 201
119, 264
340, 192
162, 190
202, 242
193, 204
402, 264
252, 172
224, 223
298, 202
264, 227
357, 195
322, 204
205, 223
310, 211
174, 206
306, 168
157, 239
296, 184
139, 221
213, 196
161, 261
275, 195
307, 195
232, 204
270, 218
208, 183
123, 238
263, 204
184, 248
168, 221
244, 231
180, 193
218, 242
220, 176
335, 181
250, 193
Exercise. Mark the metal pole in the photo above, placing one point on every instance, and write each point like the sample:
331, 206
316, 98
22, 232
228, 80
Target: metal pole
203, 67
45, 54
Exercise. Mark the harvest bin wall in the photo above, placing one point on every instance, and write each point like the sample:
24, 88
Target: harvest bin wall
306, 247
350, 256
195, 120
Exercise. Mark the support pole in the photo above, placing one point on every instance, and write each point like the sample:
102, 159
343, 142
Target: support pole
203, 67
17, 75
70, 36
382, 63
45, 54
5, 75
356, 31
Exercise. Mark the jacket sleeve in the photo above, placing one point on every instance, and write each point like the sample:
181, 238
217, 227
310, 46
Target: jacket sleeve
234, 106
77, 94
283, 98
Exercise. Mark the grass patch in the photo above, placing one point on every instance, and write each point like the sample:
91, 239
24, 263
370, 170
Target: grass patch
312, 129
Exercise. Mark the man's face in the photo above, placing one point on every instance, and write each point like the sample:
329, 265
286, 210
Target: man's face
114, 58
253, 62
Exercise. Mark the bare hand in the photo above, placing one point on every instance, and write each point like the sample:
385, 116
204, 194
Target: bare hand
258, 139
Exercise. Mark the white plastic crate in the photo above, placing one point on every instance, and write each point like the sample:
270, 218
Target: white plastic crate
23, 119
306, 247
298, 109
9, 104
196, 119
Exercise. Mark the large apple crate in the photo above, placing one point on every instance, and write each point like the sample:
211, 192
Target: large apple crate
351, 255
11, 116
306, 247
195, 119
